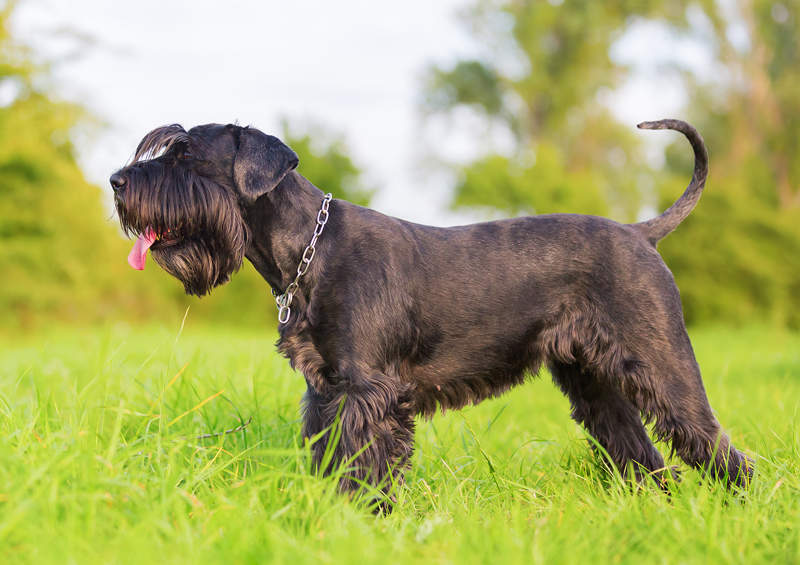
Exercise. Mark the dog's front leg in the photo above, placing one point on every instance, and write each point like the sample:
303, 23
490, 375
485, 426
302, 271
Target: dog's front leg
368, 425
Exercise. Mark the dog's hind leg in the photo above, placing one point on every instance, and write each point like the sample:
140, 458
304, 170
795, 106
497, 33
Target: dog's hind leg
370, 431
674, 397
610, 418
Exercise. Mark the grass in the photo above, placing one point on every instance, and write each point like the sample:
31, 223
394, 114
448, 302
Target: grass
100, 462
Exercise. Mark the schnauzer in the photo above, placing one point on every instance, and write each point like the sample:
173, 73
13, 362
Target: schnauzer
388, 319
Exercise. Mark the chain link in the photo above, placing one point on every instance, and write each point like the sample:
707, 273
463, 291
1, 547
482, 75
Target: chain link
284, 301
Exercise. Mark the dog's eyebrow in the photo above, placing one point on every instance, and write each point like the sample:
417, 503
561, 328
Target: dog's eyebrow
159, 141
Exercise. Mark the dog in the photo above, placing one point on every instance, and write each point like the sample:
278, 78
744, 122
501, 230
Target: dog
388, 319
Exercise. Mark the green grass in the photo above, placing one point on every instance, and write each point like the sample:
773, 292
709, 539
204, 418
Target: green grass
100, 462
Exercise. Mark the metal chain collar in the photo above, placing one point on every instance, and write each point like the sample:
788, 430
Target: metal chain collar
284, 301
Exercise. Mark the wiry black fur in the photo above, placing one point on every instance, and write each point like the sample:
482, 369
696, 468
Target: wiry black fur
395, 319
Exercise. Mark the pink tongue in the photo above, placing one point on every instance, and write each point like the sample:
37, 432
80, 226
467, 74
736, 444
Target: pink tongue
138, 254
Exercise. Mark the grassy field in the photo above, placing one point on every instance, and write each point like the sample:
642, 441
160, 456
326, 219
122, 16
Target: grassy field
100, 461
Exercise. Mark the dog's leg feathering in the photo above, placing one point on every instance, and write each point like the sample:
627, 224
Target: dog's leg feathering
611, 420
370, 430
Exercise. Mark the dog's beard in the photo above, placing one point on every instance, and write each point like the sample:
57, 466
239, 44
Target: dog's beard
198, 263
191, 225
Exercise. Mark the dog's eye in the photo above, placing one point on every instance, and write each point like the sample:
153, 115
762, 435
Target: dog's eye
183, 155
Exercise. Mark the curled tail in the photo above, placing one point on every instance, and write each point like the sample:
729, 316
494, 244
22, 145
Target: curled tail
658, 227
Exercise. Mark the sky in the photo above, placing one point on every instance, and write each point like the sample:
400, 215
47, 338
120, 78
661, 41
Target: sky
353, 67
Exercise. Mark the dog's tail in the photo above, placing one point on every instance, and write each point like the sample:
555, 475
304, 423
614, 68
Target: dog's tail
659, 227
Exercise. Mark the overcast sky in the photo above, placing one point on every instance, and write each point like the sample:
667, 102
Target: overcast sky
352, 66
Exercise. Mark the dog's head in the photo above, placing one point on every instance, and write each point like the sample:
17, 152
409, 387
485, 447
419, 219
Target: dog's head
185, 194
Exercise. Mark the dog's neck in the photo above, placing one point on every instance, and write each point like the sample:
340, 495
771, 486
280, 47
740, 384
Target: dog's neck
281, 224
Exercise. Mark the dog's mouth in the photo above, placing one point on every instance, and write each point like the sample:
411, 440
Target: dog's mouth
150, 239
170, 237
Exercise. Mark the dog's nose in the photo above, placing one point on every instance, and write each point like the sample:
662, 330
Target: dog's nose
117, 182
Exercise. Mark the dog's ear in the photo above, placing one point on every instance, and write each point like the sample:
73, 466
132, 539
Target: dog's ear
261, 162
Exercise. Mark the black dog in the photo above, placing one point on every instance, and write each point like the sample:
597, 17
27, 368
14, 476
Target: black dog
388, 319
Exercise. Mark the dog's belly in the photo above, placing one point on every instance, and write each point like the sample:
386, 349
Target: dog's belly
467, 372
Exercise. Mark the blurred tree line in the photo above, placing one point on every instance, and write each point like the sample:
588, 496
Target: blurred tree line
544, 75
62, 256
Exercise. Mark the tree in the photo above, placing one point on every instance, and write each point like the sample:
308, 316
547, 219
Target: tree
738, 256
542, 76
757, 105
55, 248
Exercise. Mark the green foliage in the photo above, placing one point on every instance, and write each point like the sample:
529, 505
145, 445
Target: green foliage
468, 82
544, 75
100, 461
325, 161
56, 251
735, 258
738, 255
506, 184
